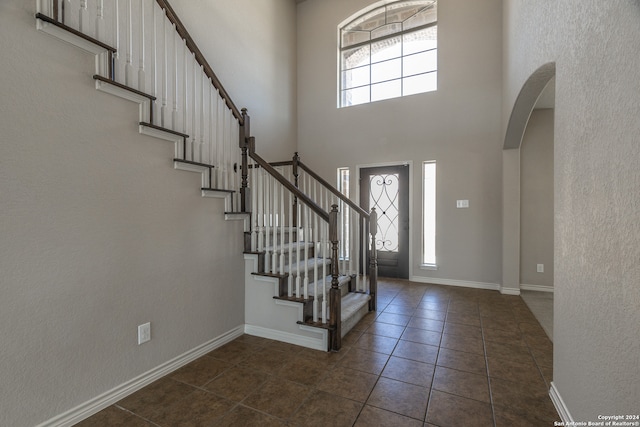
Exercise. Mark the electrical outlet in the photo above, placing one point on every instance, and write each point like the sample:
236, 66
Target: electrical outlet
144, 333
540, 268
462, 203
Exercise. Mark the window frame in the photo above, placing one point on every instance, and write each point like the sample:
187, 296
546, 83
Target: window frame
400, 78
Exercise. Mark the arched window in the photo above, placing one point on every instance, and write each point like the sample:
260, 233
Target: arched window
389, 51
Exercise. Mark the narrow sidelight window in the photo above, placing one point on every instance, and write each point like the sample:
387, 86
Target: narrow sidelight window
429, 214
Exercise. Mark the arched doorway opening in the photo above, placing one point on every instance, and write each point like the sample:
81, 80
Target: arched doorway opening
524, 105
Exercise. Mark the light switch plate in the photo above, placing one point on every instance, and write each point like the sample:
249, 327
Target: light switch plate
144, 333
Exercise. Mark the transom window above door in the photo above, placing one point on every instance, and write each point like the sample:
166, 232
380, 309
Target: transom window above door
388, 52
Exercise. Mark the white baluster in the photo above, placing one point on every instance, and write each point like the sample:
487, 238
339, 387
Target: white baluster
298, 228
325, 235
142, 86
174, 113
260, 213
274, 209
220, 143
128, 69
69, 13
82, 16
267, 231
100, 20
154, 64
204, 156
306, 223
164, 88
228, 150
290, 227
212, 137
185, 91
116, 35
254, 207
315, 269
356, 250
365, 244
282, 224
194, 114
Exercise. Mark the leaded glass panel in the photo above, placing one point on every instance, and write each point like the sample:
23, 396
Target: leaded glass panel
383, 196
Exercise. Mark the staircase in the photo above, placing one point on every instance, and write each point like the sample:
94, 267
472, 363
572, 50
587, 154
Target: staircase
309, 273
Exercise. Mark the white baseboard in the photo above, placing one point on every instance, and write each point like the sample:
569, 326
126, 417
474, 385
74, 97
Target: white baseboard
538, 288
452, 282
319, 343
562, 409
90, 407
510, 291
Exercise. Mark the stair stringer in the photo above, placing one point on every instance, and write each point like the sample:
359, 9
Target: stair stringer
100, 52
269, 318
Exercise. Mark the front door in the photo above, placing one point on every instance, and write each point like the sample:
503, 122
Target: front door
386, 188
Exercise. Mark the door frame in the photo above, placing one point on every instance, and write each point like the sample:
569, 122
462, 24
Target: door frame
411, 223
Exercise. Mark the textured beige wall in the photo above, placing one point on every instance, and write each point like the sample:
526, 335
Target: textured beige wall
98, 232
536, 199
596, 47
458, 126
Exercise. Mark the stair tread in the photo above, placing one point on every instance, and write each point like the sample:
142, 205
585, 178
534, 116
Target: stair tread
307, 264
151, 125
294, 299
220, 189
75, 32
191, 162
122, 86
351, 303
287, 247
342, 280
276, 275
317, 324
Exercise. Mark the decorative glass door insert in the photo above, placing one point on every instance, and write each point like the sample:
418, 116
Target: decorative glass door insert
383, 196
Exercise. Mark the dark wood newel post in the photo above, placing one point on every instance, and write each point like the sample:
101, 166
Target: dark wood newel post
245, 133
335, 303
373, 261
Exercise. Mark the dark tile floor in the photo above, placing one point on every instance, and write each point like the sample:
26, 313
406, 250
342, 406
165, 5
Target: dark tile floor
430, 356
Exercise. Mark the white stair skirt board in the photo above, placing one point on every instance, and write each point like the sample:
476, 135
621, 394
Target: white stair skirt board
273, 318
202, 170
90, 407
238, 216
319, 343
143, 101
562, 409
537, 288
160, 134
227, 200
462, 283
76, 41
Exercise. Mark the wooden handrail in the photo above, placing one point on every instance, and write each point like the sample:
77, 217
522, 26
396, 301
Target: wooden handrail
285, 182
326, 184
335, 191
191, 45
